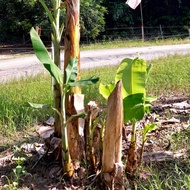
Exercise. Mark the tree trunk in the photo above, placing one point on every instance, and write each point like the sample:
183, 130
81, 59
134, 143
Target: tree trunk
74, 99
72, 36
112, 145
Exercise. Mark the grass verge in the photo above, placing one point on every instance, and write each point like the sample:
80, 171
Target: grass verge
15, 114
133, 43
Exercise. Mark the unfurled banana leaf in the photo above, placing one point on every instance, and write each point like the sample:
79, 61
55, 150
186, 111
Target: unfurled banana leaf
71, 71
71, 74
133, 74
106, 90
44, 57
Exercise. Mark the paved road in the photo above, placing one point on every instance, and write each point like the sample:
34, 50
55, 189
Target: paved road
29, 65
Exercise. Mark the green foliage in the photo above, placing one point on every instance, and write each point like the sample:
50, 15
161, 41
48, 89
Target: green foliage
54, 18
18, 172
84, 82
105, 90
149, 127
14, 114
71, 69
172, 175
119, 14
133, 73
65, 84
134, 107
92, 18
39, 106
172, 76
20, 169
18, 16
44, 57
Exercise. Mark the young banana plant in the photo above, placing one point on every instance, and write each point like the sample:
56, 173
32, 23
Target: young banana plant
148, 128
54, 18
65, 82
133, 73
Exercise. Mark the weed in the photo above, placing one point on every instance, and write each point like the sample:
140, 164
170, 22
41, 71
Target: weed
180, 139
18, 172
172, 175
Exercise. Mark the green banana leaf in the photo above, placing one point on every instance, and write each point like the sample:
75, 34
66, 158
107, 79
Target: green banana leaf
133, 74
44, 57
149, 128
49, 14
71, 71
134, 108
71, 74
84, 82
106, 90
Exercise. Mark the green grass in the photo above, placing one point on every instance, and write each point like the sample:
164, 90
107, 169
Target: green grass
173, 175
171, 75
15, 114
133, 43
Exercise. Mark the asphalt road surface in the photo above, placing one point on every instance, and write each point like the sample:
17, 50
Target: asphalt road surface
24, 66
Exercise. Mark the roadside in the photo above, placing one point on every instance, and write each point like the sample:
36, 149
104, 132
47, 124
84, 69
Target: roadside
28, 65
11, 56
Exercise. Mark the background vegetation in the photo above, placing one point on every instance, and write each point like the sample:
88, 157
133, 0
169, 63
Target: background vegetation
99, 19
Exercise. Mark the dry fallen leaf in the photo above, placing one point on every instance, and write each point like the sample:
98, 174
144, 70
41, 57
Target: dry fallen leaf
45, 131
50, 121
